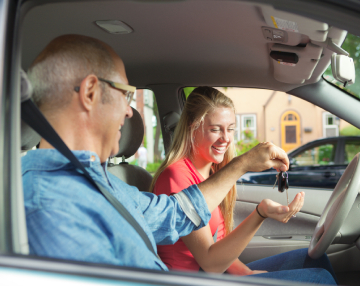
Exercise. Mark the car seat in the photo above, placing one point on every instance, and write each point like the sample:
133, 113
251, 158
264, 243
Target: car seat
132, 134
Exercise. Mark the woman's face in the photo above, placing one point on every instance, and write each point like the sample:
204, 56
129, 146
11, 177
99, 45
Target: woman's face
213, 138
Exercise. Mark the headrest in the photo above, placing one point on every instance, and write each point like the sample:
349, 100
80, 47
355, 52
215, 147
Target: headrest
29, 138
132, 134
171, 119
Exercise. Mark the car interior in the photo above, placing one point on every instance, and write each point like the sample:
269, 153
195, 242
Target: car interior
166, 46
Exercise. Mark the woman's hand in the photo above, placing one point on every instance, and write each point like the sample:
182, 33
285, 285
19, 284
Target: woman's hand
253, 272
274, 210
239, 268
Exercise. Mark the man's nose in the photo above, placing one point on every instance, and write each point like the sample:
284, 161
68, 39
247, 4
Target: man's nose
129, 111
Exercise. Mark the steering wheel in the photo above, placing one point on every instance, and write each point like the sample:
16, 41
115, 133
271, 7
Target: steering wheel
336, 209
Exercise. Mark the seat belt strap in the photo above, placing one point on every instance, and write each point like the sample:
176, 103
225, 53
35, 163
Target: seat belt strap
36, 120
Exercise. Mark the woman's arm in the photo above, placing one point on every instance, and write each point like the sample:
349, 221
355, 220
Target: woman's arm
239, 268
217, 257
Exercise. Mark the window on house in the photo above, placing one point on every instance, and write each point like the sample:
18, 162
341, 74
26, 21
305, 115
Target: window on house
237, 134
248, 127
330, 125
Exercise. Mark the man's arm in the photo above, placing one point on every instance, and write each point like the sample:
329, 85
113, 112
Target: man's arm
263, 156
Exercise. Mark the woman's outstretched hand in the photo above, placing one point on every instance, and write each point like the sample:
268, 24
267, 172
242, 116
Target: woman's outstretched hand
274, 210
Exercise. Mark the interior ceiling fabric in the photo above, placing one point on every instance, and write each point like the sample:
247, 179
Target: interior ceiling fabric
217, 43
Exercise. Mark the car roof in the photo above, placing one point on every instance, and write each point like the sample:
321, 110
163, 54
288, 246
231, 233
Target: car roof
217, 43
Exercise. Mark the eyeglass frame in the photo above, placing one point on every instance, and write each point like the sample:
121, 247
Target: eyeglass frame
127, 90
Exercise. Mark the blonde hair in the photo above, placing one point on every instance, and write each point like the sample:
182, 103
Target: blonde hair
200, 102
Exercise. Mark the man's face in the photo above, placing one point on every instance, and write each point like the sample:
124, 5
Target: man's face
113, 113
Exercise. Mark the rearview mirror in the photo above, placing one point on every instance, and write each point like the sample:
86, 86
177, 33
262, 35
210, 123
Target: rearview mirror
343, 69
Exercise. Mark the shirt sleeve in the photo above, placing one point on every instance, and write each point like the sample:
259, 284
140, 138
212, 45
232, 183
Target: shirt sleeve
168, 220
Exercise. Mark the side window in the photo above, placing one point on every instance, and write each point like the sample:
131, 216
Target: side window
316, 156
291, 122
351, 149
151, 153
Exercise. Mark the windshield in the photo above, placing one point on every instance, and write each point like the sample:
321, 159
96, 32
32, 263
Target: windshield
352, 46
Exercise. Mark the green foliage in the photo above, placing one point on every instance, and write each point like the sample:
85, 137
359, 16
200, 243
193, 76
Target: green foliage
134, 162
152, 167
188, 90
145, 141
350, 131
351, 149
325, 154
248, 134
242, 146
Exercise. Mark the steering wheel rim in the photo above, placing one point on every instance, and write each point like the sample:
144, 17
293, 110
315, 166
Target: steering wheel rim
336, 209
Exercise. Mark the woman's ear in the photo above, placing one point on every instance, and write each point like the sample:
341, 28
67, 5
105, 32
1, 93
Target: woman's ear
89, 92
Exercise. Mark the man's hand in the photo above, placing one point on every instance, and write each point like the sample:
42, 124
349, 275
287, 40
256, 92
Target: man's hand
265, 156
281, 213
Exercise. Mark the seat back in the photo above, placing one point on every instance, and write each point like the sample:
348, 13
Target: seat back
132, 134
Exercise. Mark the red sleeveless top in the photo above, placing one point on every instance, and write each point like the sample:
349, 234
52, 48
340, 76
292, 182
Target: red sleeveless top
173, 179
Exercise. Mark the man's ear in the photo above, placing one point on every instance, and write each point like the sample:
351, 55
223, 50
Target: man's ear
89, 92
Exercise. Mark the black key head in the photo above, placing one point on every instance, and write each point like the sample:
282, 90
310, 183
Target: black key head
281, 182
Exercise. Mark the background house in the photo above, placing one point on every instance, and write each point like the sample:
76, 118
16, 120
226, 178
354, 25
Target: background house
283, 119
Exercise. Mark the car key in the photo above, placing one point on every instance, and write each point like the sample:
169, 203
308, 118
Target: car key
283, 183
286, 186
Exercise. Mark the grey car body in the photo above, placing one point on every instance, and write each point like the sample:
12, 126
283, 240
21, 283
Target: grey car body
323, 173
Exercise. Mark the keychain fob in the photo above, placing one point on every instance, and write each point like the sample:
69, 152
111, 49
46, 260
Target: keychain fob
283, 182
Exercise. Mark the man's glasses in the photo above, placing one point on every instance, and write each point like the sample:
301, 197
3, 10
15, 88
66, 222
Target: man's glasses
127, 90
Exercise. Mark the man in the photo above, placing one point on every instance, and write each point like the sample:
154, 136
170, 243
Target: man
142, 152
76, 85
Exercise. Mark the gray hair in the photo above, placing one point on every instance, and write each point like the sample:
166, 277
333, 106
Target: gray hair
63, 64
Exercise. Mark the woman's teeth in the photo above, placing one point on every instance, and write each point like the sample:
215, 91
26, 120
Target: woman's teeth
219, 148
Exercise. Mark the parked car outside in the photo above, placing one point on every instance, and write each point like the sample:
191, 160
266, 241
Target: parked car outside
319, 163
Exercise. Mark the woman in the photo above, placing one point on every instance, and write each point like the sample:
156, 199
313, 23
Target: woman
202, 145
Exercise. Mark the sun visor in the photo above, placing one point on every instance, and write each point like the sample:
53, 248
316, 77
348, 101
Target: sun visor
288, 71
315, 30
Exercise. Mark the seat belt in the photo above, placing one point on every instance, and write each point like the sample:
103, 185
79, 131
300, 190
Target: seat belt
36, 120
